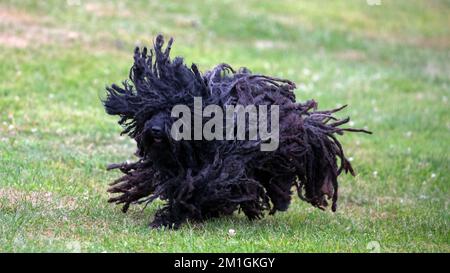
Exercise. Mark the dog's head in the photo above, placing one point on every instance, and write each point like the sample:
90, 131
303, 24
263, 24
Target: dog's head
156, 85
150, 129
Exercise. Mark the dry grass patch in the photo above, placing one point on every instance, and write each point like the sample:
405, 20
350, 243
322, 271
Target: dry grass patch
49, 200
23, 30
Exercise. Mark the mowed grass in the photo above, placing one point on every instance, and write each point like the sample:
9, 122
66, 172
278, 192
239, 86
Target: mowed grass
389, 62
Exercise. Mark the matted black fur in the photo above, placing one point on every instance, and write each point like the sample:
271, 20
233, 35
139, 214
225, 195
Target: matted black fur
202, 179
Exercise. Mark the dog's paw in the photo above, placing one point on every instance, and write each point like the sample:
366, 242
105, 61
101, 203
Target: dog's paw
159, 223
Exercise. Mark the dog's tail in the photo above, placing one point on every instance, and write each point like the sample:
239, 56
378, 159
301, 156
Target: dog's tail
322, 159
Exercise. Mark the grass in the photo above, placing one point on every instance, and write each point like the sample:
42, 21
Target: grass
390, 63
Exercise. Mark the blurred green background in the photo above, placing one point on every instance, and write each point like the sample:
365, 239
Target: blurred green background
389, 60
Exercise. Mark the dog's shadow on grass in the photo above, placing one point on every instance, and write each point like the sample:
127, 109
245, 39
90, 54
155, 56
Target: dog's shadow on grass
294, 219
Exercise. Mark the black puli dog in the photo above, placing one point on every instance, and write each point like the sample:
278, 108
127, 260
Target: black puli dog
203, 178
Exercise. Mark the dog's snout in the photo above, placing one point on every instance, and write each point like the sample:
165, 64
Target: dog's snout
156, 130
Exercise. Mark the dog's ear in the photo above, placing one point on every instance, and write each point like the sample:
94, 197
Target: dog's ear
124, 103
119, 101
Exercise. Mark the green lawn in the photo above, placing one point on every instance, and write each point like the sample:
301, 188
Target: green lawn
389, 62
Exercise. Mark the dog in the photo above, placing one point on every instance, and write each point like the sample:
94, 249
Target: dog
200, 179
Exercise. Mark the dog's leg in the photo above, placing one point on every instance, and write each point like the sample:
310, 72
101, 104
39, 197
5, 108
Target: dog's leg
278, 189
163, 219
